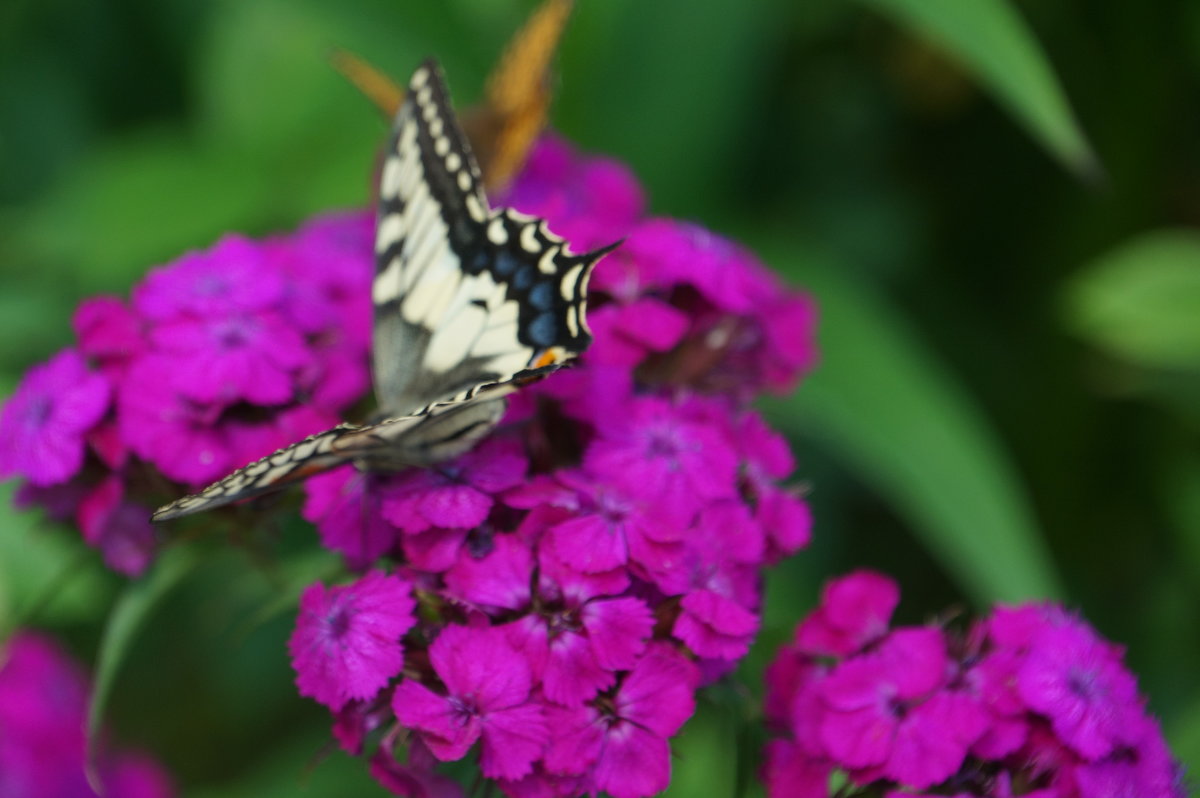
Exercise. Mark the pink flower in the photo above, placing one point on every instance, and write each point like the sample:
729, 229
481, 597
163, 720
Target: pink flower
232, 357
855, 611
327, 266
589, 201
626, 334
1073, 679
658, 452
576, 649
178, 436
606, 526
458, 494
497, 579
43, 424
788, 772
344, 505
1027, 702
883, 707
119, 528
780, 512
43, 708
488, 696
346, 644
109, 333
417, 778
233, 276
621, 745
713, 625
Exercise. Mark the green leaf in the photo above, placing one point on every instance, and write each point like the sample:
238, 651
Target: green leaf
670, 123
47, 575
888, 409
94, 226
124, 621
704, 760
991, 40
302, 764
1141, 301
291, 577
1184, 736
1180, 488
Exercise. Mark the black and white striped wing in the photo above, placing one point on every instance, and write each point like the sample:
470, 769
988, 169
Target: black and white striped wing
447, 430
465, 296
470, 304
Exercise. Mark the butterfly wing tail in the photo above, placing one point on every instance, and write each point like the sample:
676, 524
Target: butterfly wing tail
312, 455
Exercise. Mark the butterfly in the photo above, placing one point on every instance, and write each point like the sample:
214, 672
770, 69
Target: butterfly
470, 304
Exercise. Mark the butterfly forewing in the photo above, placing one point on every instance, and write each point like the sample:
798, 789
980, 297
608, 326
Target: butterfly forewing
470, 304
464, 295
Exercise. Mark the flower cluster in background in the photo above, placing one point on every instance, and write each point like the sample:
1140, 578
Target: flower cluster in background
1030, 701
220, 358
43, 709
585, 569
564, 589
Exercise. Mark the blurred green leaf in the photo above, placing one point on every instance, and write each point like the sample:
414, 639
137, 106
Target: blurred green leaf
1184, 736
678, 130
992, 41
124, 621
175, 194
1181, 494
304, 764
704, 760
291, 576
894, 414
46, 576
1141, 301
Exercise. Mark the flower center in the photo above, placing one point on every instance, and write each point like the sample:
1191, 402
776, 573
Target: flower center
561, 622
663, 443
234, 333
39, 410
612, 509
212, 285
1082, 683
462, 708
339, 622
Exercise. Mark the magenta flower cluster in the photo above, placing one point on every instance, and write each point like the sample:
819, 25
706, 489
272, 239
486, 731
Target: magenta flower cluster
219, 358
548, 603
43, 709
1029, 701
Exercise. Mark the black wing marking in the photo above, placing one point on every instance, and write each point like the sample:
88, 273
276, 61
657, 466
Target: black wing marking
464, 295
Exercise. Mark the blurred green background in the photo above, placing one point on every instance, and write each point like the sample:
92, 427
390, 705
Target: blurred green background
995, 203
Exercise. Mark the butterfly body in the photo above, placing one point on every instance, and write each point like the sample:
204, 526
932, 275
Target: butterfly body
470, 304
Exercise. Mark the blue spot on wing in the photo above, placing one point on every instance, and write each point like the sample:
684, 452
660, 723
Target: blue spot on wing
523, 278
543, 329
542, 296
505, 263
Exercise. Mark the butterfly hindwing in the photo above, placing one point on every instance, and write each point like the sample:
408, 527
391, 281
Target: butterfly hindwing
447, 430
293, 463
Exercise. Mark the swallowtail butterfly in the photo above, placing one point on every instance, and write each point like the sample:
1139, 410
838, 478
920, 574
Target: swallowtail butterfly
470, 303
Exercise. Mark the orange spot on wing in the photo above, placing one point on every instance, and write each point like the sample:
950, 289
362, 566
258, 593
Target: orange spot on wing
547, 358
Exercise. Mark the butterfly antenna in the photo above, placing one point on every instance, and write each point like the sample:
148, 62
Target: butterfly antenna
383, 92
